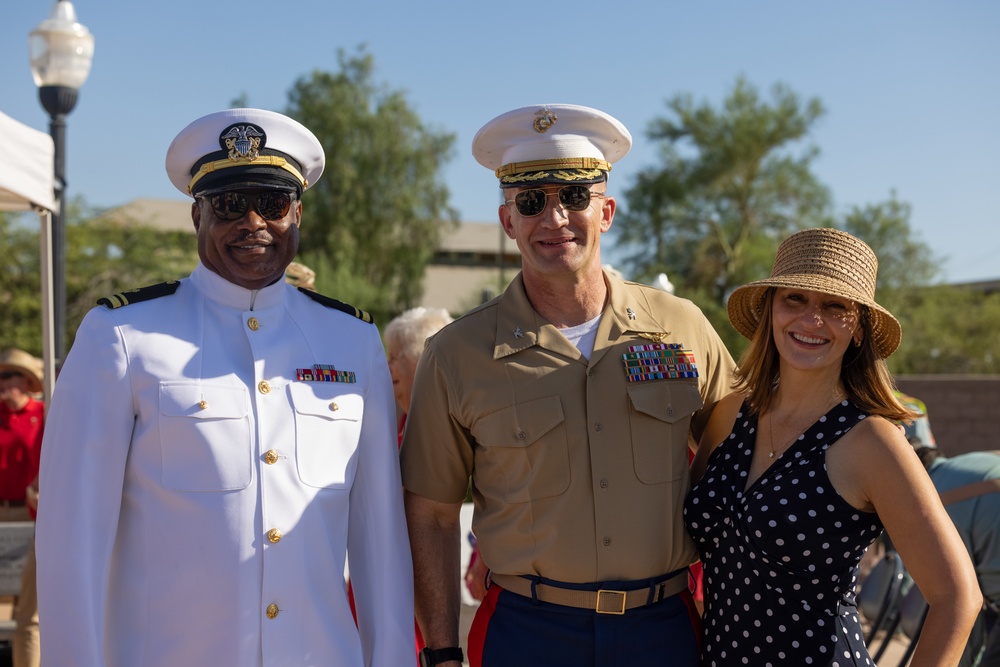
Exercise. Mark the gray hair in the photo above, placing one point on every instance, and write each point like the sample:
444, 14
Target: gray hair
411, 329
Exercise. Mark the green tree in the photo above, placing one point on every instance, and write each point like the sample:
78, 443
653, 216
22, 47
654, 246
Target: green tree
907, 266
373, 221
20, 282
105, 256
949, 330
102, 257
732, 182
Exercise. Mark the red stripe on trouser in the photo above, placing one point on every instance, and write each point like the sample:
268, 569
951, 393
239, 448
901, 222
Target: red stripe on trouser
477, 633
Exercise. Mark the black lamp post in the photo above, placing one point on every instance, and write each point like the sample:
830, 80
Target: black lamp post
61, 50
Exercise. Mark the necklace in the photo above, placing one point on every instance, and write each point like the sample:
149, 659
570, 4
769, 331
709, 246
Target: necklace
796, 432
770, 437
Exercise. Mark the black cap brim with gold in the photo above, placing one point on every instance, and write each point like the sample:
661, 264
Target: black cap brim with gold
551, 144
244, 149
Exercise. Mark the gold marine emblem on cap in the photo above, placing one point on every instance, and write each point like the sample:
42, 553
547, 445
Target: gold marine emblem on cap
544, 119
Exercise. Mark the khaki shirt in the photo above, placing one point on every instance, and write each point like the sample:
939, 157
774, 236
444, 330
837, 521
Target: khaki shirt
577, 474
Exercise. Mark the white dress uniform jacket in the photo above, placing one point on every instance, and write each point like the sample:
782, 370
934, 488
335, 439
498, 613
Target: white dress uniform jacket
198, 501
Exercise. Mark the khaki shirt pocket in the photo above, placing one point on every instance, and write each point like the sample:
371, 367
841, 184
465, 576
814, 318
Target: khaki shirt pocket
327, 431
660, 418
205, 442
521, 452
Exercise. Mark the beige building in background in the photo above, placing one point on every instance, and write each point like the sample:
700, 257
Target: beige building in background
474, 262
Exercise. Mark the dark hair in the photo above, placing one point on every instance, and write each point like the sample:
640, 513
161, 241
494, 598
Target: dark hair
928, 455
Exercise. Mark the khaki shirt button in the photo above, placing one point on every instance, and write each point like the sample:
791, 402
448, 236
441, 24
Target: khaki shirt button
264, 387
607, 541
597, 426
274, 535
670, 411
270, 457
272, 610
253, 323
604, 483
521, 435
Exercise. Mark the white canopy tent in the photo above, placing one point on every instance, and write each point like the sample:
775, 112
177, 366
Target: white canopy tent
26, 183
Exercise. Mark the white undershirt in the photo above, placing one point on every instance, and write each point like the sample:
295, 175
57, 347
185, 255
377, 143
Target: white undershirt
583, 335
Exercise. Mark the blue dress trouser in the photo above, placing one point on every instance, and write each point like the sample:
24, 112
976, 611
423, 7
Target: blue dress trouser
510, 629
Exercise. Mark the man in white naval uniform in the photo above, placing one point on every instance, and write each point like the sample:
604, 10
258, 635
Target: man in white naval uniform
218, 445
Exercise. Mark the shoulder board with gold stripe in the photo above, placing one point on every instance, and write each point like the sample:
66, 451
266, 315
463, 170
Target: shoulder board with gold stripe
339, 305
140, 294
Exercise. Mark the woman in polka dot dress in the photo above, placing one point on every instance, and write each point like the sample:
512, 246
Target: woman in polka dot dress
800, 468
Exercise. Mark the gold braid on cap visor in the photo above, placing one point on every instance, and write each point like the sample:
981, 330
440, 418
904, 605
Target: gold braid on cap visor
265, 160
558, 163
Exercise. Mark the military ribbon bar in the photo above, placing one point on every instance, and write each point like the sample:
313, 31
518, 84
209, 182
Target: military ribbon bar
659, 361
324, 373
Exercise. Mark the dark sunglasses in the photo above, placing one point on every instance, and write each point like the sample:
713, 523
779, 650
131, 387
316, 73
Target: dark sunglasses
270, 205
6, 375
530, 203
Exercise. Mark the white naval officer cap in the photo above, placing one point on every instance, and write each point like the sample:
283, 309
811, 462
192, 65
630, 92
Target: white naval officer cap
244, 148
551, 143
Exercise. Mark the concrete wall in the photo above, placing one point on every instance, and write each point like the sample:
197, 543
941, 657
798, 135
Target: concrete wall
964, 410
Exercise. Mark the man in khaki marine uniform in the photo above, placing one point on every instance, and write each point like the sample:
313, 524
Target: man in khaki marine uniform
569, 399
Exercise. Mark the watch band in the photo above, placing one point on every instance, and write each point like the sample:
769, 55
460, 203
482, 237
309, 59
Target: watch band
429, 657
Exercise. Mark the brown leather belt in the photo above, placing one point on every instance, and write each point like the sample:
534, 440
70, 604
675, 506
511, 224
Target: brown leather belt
602, 601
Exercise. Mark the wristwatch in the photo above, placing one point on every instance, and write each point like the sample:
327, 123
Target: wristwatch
429, 657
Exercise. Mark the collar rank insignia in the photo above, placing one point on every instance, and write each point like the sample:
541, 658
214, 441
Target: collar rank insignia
243, 141
518, 333
631, 313
324, 373
659, 361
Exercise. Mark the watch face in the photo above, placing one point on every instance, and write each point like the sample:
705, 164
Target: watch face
425, 660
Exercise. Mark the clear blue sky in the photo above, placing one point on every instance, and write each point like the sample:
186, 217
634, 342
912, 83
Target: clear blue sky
911, 88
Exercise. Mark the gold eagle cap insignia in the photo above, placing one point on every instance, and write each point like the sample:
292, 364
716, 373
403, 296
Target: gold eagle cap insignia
544, 119
654, 336
243, 141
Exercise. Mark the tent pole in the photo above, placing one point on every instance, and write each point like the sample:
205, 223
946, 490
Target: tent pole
48, 337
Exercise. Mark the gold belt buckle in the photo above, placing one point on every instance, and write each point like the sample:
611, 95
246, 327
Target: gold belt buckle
610, 602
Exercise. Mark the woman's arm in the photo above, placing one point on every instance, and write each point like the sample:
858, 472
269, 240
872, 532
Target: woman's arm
877, 469
719, 426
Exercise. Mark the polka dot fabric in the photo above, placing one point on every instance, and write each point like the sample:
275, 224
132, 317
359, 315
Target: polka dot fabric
780, 557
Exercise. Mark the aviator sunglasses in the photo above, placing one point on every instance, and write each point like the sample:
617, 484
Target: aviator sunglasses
270, 205
530, 203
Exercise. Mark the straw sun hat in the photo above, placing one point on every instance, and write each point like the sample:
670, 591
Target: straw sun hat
821, 260
19, 361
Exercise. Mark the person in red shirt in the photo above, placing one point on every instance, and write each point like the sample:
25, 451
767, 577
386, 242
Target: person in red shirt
22, 418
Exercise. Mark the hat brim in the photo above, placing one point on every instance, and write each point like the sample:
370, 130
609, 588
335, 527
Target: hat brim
248, 178
34, 381
746, 303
